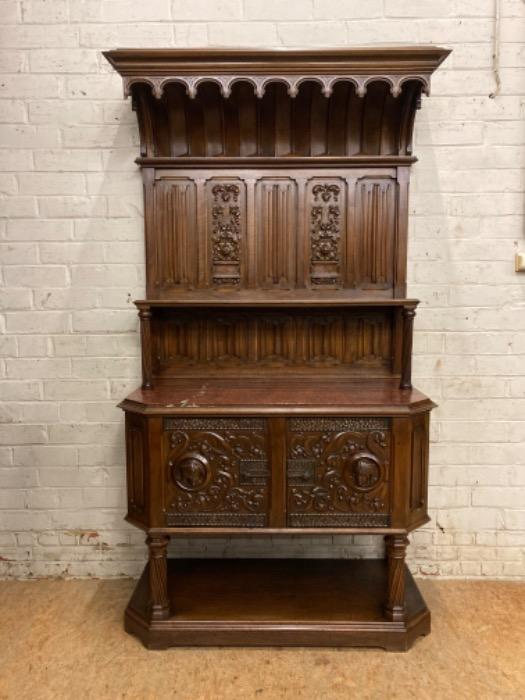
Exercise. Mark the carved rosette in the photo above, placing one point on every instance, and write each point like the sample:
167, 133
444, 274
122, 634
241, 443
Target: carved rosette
325, 234
226, 234
338, 477
218, 469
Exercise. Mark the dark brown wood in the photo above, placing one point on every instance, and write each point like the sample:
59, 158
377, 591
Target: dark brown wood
146, 348
313, 602
395, 608
276, 340
159, 603
406, 361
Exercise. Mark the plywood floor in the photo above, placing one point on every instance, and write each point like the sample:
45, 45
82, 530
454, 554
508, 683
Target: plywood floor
64, 639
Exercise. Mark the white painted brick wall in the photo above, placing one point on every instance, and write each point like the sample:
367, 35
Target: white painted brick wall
71, 246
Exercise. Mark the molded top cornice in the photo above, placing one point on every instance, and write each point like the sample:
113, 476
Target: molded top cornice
360, 66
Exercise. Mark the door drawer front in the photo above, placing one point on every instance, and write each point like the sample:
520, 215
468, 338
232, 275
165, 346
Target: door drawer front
217, 472
337, 472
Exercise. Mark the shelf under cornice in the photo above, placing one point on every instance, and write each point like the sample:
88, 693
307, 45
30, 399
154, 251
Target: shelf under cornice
253, 299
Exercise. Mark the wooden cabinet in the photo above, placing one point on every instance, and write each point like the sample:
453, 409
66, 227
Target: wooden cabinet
276, 341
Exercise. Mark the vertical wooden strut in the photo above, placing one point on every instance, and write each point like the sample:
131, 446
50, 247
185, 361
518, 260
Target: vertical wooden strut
158, 577
395, 599
406, 361
145, 338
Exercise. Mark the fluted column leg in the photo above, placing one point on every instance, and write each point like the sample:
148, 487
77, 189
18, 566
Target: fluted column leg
158, 577
395, 554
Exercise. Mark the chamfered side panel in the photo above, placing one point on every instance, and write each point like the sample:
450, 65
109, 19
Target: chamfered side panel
338, 472
136, 457
175, 234
216, 472
419, 448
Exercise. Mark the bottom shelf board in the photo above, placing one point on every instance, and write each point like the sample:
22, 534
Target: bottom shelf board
277, 602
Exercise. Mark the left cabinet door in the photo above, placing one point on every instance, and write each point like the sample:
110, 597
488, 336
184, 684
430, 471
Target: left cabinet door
216, 472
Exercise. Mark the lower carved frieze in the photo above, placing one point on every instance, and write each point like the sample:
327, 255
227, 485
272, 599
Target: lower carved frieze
215, 519
339, 520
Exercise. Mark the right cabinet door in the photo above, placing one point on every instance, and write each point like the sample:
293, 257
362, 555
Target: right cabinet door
338, 472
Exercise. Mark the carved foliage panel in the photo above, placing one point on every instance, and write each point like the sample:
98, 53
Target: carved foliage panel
226, 238
338, 472
272, 232
326, 221
217, 472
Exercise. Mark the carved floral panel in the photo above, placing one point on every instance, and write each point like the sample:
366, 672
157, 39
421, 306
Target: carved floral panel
327, 199
226, 238
337, 472
217, 472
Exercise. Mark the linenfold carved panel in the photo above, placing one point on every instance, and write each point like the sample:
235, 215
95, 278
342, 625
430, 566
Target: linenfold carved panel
338, 472
375, 232
350, 340
175, 252
216, 472
276, 231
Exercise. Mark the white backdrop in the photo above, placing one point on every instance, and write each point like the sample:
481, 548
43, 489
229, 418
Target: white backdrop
72, 252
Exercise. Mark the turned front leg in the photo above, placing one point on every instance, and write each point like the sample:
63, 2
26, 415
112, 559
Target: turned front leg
158, 577
396, 546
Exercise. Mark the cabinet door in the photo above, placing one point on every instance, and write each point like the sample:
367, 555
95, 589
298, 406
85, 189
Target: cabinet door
338, 472
216, 472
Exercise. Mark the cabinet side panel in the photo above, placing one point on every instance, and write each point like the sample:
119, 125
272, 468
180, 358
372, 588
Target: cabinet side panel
419, 471
136, 468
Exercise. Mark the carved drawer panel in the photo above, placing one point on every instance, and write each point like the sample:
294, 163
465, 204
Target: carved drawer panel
338, 472
217, 472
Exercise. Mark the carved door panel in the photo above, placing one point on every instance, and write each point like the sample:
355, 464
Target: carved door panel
338, 472
216, 472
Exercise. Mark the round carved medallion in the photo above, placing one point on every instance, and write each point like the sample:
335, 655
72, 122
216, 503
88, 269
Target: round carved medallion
191, 472
363, 471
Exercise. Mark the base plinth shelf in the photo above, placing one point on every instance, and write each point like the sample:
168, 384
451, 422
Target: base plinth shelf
277, 602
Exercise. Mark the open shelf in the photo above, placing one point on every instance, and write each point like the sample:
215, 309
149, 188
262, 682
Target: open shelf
260, 602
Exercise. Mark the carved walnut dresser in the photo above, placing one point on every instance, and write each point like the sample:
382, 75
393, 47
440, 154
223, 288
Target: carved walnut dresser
276, 341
